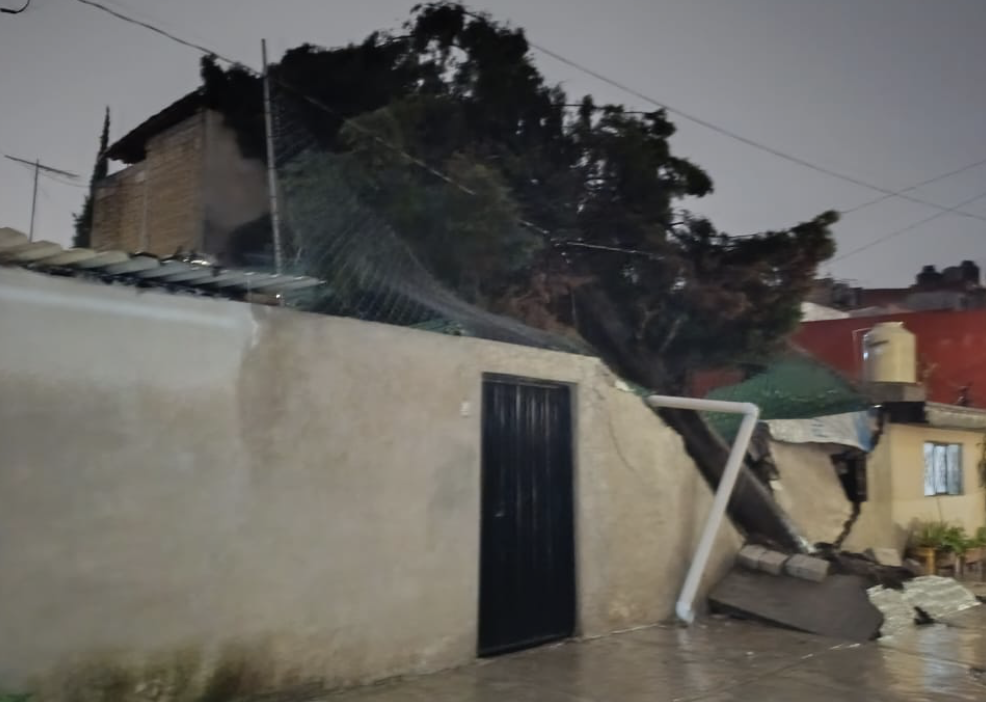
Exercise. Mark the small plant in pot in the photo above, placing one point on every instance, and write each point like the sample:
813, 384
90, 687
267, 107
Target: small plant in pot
926, 543
976, 550
980, 537
954, 545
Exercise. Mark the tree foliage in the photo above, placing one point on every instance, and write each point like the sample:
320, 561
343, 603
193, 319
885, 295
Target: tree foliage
616, 257
83, 219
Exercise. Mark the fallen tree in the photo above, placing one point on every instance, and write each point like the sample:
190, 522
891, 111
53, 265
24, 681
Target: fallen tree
566, 215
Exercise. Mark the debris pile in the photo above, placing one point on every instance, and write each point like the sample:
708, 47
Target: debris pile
920, 601
843, 595
797, 592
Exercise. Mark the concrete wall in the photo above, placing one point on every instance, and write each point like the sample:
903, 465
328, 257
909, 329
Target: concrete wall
193, 189
199, 492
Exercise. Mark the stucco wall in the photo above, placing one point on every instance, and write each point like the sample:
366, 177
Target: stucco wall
909, 500
809, 489
194, 490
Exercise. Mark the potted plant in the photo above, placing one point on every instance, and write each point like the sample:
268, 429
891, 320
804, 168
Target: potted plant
954, 545
926, 542
976, 551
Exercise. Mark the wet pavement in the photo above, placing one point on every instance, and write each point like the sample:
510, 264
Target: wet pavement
718, 661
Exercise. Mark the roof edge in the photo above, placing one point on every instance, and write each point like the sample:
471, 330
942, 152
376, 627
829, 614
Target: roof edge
132, 147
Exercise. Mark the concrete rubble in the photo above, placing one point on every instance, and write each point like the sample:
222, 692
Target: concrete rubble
926, 599
898, 614
846, 595
807, 567
837, 606
755, 557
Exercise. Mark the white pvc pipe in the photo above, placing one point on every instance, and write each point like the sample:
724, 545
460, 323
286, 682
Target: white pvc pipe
685, 608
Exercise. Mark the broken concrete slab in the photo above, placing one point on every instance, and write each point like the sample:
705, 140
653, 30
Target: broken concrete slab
898, 613
939, 597
931, 598
807, 567
838, 606
885, 556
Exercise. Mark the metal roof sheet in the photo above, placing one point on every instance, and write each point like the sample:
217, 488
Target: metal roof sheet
144, 269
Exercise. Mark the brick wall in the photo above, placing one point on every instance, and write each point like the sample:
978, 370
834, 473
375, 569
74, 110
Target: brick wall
192, 191
156, 205
118, 211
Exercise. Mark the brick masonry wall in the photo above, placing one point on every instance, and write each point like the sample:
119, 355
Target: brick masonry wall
118, 210
156, 205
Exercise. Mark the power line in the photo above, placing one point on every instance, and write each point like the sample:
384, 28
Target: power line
916, 186
908, 228
743, 139
43, 168
887, 194
313, 101
156, 30
29, 165
308, 98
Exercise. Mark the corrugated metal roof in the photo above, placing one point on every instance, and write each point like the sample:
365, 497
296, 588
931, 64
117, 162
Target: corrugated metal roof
145, 270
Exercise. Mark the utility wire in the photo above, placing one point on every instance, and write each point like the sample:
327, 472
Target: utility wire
308, 98
910, 227
746, 140
53, 174
916, 186
887, 194
313, 101
156, 30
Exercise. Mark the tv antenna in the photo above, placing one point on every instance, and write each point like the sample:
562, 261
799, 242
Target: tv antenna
39, 168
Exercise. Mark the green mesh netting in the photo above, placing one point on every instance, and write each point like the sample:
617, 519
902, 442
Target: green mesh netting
790, 388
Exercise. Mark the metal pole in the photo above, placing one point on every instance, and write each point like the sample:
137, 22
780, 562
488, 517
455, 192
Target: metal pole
685, 607
34, 199
275, 218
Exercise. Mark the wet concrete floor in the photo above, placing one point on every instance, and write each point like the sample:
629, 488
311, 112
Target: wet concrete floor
718, 661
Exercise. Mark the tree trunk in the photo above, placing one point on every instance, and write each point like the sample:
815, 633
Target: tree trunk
752, 508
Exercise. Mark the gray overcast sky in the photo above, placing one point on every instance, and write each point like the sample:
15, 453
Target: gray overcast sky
889, 91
